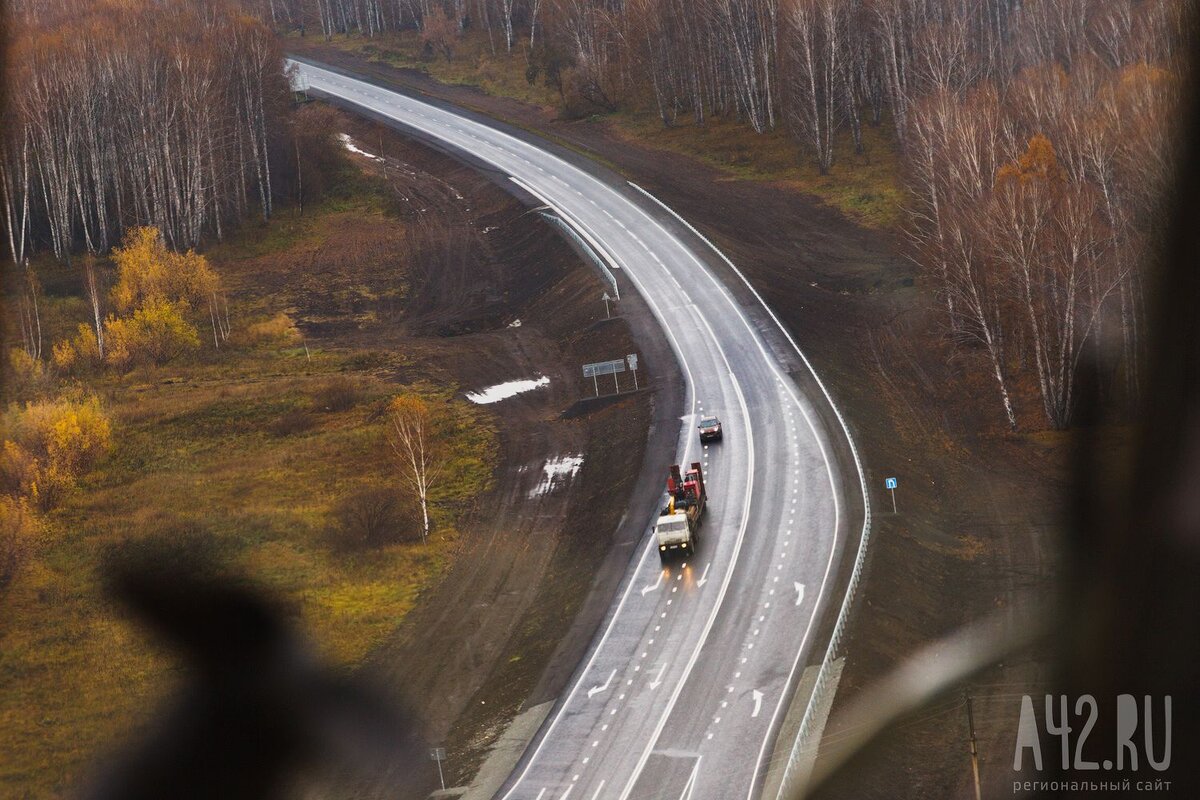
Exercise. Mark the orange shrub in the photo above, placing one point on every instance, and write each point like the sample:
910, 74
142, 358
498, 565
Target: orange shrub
49, 444
154, 334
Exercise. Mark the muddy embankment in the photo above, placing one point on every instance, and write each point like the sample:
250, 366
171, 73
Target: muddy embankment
978, 507
497, 296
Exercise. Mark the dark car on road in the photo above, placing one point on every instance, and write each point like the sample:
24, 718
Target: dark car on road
710, 429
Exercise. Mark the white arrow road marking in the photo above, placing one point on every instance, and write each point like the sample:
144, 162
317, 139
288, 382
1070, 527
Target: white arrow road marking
617, 611
704, 578
799, 592
758, 697
654, 684
597, 689
647, 589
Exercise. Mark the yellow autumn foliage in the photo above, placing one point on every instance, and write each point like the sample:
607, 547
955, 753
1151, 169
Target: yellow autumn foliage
277, 329
150, 274
154, 334
19, 530
64, 357
1039, 162
25, 371
73, 354
48, 444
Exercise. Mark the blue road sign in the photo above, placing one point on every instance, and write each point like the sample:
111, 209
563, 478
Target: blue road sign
890, 483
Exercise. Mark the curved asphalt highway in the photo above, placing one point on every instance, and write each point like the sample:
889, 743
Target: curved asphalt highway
682, 692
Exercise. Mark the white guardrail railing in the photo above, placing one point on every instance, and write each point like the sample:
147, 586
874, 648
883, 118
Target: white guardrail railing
804, 749
595, 257
803, 754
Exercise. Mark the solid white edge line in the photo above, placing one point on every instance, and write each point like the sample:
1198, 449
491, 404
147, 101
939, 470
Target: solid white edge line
685, 430
786, 381
682, 680
837, 412
737, 547
690, 786
550, 156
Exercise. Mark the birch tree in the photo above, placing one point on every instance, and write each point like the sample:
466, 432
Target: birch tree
419, 451
817, 37
139, 114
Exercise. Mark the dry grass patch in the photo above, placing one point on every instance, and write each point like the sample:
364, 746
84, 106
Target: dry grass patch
246, 450
864, 186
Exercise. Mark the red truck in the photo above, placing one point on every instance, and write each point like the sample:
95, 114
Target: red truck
678, 525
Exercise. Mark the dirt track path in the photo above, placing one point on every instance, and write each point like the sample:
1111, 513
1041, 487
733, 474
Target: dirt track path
462, 627
511, 619
976, 532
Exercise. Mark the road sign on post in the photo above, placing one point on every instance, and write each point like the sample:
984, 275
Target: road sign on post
632, 360
607, 312
604, 368
438, 754
890, 484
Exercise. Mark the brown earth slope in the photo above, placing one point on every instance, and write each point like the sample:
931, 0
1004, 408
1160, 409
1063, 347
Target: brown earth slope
977, 505
515, 304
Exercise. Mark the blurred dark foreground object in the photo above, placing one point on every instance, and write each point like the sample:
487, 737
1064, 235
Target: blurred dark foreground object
1125, 620
258, 717
1128, 620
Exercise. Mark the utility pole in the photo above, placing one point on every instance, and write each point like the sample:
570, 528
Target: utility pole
973, 745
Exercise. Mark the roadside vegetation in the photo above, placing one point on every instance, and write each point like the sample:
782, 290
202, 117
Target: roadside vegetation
169, 386
269, 455
170, 115
1020, 149
862, 182
183, 361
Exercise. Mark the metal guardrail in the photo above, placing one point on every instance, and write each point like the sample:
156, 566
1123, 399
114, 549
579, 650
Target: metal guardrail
791, 784
587, 248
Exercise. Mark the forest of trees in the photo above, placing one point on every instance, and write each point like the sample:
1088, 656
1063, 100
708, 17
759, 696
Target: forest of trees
136, 113
1034, 134
1036, 171
173, 117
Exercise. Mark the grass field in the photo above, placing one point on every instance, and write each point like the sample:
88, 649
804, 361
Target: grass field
237, 452
864, 186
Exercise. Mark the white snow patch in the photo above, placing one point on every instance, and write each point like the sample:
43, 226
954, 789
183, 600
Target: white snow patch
349, 145
557, 472
502, 391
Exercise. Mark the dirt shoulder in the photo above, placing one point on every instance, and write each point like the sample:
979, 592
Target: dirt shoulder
977, 506
469, 621
507, 625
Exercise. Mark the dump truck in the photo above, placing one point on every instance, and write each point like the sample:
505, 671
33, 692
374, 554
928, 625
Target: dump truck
678, 526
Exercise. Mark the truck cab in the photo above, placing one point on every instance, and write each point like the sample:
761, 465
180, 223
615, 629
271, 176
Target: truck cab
674, 535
